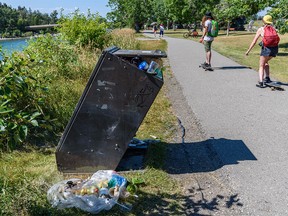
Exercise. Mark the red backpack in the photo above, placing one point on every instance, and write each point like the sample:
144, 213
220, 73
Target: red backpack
271, 38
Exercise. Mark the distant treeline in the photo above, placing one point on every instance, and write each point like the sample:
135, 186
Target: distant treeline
13, 21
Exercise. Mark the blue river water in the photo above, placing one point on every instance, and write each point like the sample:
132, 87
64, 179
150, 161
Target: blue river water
9, 46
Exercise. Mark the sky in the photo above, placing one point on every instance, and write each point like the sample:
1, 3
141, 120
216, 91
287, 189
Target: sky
47, 6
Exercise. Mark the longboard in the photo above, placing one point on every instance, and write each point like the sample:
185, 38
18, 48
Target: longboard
275, 86
206, 68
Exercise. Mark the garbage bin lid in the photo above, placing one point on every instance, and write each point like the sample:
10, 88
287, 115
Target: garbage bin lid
141, 53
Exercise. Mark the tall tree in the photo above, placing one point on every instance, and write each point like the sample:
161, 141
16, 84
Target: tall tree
193, 11
279, 13
227, 10
15, 20
132, 13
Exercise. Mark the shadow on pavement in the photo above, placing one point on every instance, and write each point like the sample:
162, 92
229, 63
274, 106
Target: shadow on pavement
231, 67
194, 157
206, 156
281, 83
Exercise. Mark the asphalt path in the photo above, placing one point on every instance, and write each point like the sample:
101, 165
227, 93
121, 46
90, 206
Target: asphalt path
247, 125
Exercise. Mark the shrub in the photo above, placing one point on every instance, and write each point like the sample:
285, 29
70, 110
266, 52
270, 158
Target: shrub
22, 101
84, 30
41, 87
67, 68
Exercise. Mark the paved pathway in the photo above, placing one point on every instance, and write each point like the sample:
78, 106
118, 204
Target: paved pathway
248, 125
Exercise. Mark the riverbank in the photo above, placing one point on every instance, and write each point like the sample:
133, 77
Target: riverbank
12, 39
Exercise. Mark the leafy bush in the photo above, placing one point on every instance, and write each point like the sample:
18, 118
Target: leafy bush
68, 68
41, 87
84, 30
282, 26
22, 100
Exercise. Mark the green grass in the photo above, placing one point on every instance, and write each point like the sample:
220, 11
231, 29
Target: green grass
26, 176
236, 45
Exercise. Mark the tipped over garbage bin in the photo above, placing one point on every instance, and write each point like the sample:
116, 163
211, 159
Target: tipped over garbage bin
113, 105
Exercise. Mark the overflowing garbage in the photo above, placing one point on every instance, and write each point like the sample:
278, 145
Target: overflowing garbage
100, 192
147, 65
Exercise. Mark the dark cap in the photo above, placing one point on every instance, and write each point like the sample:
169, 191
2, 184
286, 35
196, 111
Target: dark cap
208, 15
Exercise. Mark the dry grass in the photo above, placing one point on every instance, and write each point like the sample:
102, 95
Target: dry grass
124, 39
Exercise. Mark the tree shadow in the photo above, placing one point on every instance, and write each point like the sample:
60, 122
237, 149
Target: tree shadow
192, 157
283, 45
162, 204
236, 33
282, 54
165, 32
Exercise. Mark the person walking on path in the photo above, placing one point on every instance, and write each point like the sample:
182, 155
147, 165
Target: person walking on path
161, 34
207, 39
269, 49
154, 30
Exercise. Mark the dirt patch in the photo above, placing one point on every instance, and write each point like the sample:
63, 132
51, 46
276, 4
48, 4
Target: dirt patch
193, 163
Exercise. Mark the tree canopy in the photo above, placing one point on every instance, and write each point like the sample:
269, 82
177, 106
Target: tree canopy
13, 21
280, 14
140, 12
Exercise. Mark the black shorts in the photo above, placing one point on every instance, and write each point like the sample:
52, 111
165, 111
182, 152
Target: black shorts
269, 51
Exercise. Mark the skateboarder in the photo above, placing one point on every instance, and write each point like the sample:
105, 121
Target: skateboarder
207, 39
268, 49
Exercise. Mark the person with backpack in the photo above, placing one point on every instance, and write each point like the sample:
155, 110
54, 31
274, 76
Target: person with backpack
208, 36
155, 30
269, 49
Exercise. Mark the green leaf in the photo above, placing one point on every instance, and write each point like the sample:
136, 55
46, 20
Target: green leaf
5, 102
34, 115
34, 123
17, 138
131, 188
3, 110
136, 181
2, 128
12, 126
23, 132
18, 79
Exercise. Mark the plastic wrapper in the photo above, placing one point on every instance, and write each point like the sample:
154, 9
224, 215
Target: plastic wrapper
100, 192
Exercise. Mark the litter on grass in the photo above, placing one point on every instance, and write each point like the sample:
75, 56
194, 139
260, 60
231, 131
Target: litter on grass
100, 192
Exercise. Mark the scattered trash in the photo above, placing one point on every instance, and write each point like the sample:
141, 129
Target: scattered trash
152, 68
100, 192
143, 65
139, 144
142, 144
154, 137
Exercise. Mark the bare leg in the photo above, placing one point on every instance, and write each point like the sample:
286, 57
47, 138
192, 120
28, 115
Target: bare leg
267, 68
208, 57
264, 67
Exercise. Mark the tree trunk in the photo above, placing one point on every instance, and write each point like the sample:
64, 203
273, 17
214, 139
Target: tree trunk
228, 28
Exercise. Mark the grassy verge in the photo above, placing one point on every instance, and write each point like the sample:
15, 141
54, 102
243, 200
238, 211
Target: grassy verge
25, 176
236, 44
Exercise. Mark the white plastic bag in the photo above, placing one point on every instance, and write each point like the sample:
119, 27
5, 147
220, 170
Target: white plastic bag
100, 192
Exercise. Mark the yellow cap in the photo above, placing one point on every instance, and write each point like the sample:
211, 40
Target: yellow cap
267, 19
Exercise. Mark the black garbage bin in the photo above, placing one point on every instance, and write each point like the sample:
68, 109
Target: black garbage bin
115, 101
